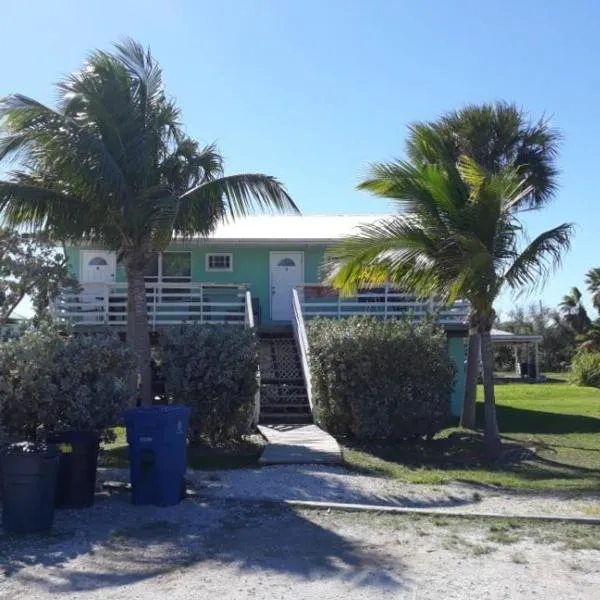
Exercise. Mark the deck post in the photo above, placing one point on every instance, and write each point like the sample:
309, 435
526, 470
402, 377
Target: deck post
201, 304
106, 303
385, 303
154, 295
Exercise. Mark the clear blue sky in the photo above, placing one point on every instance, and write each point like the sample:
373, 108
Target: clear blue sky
312, 91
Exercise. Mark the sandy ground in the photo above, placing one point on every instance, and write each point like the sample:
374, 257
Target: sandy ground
247, 550
337, 484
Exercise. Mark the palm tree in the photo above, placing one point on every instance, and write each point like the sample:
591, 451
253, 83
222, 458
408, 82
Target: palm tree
574, 311
495, 136
112, 165
456, 236
592, 280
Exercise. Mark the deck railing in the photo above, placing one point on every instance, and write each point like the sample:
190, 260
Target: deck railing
301, 343
168, 304
323, 301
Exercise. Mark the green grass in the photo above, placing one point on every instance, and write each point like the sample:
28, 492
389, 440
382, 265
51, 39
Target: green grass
560, 422
233, 455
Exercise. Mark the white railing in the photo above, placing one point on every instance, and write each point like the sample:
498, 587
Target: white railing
249, 311
168, 304
323, 301
301, 343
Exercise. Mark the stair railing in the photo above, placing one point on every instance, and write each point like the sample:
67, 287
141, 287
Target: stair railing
302, 343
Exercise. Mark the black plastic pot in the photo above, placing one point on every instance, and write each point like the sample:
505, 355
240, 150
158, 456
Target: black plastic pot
29, 473
78, 463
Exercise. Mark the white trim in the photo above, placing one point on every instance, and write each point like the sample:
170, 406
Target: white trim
284, 253
208, 269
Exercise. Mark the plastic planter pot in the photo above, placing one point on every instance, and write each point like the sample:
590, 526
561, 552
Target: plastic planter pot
77, 466
29, 473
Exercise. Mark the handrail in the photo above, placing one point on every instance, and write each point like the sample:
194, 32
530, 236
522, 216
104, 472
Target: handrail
302, 344
249, 316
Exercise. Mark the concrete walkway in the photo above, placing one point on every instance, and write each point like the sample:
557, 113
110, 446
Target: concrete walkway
298, 444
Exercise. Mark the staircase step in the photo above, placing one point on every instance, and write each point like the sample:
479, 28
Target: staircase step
282, 391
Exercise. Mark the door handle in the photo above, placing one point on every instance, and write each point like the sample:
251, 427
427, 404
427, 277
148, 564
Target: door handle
272, 290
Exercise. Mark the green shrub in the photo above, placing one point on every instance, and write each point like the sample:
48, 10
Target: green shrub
56, 380
212, 369
585, 369
380, 380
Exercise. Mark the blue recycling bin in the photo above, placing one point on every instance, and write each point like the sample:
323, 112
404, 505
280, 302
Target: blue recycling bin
157, 438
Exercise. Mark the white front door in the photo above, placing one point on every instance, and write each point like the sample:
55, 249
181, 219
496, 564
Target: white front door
98, 266
287, 271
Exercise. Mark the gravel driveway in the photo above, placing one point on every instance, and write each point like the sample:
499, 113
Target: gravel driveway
337, 484
249, 550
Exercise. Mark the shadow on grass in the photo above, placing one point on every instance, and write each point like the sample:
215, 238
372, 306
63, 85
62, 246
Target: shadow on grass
231, 455
528, 456
519, 420
142, 543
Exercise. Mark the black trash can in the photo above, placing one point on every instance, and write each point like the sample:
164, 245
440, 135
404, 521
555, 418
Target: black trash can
29, 473
78, 463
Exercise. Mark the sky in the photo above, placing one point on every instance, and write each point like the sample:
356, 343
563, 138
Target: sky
313, 91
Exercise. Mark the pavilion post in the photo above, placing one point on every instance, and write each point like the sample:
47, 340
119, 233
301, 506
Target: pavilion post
537, 360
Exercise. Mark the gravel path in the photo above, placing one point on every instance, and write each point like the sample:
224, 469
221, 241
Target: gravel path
241, 551
336, 484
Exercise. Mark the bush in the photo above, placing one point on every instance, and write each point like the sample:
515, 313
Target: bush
585, 369
56, 380
380, 380
212, 369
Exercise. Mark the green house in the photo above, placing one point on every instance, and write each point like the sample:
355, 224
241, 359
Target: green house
262, 272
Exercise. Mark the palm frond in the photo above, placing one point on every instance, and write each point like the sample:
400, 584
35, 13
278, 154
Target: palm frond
540, 258
232, 196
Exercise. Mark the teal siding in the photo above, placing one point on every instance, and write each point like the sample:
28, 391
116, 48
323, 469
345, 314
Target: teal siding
73, 256
456, 351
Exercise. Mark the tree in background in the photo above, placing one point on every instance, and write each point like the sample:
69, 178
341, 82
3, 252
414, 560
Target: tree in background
574, 312
30, 265
112, 165
495, 136
592, 282
456, 235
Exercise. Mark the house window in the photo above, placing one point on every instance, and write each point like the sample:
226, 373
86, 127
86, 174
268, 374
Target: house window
286, 262
219, 262
169, 267
97, 261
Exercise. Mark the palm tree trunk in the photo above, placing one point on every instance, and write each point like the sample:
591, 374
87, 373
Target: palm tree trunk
141, 331
467, 416
491, 434
134, 381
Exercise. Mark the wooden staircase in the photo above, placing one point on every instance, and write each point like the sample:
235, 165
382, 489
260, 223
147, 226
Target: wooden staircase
283, 396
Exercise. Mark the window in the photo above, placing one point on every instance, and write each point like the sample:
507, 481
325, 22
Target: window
169, 267
97, 261
286, 262
219, 262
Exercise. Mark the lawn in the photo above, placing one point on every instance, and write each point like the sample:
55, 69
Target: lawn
232, 455
561, 422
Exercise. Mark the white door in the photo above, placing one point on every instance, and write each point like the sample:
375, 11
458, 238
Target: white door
287, 271
98, 266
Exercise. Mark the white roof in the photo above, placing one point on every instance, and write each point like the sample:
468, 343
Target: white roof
506, 337
309, 228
